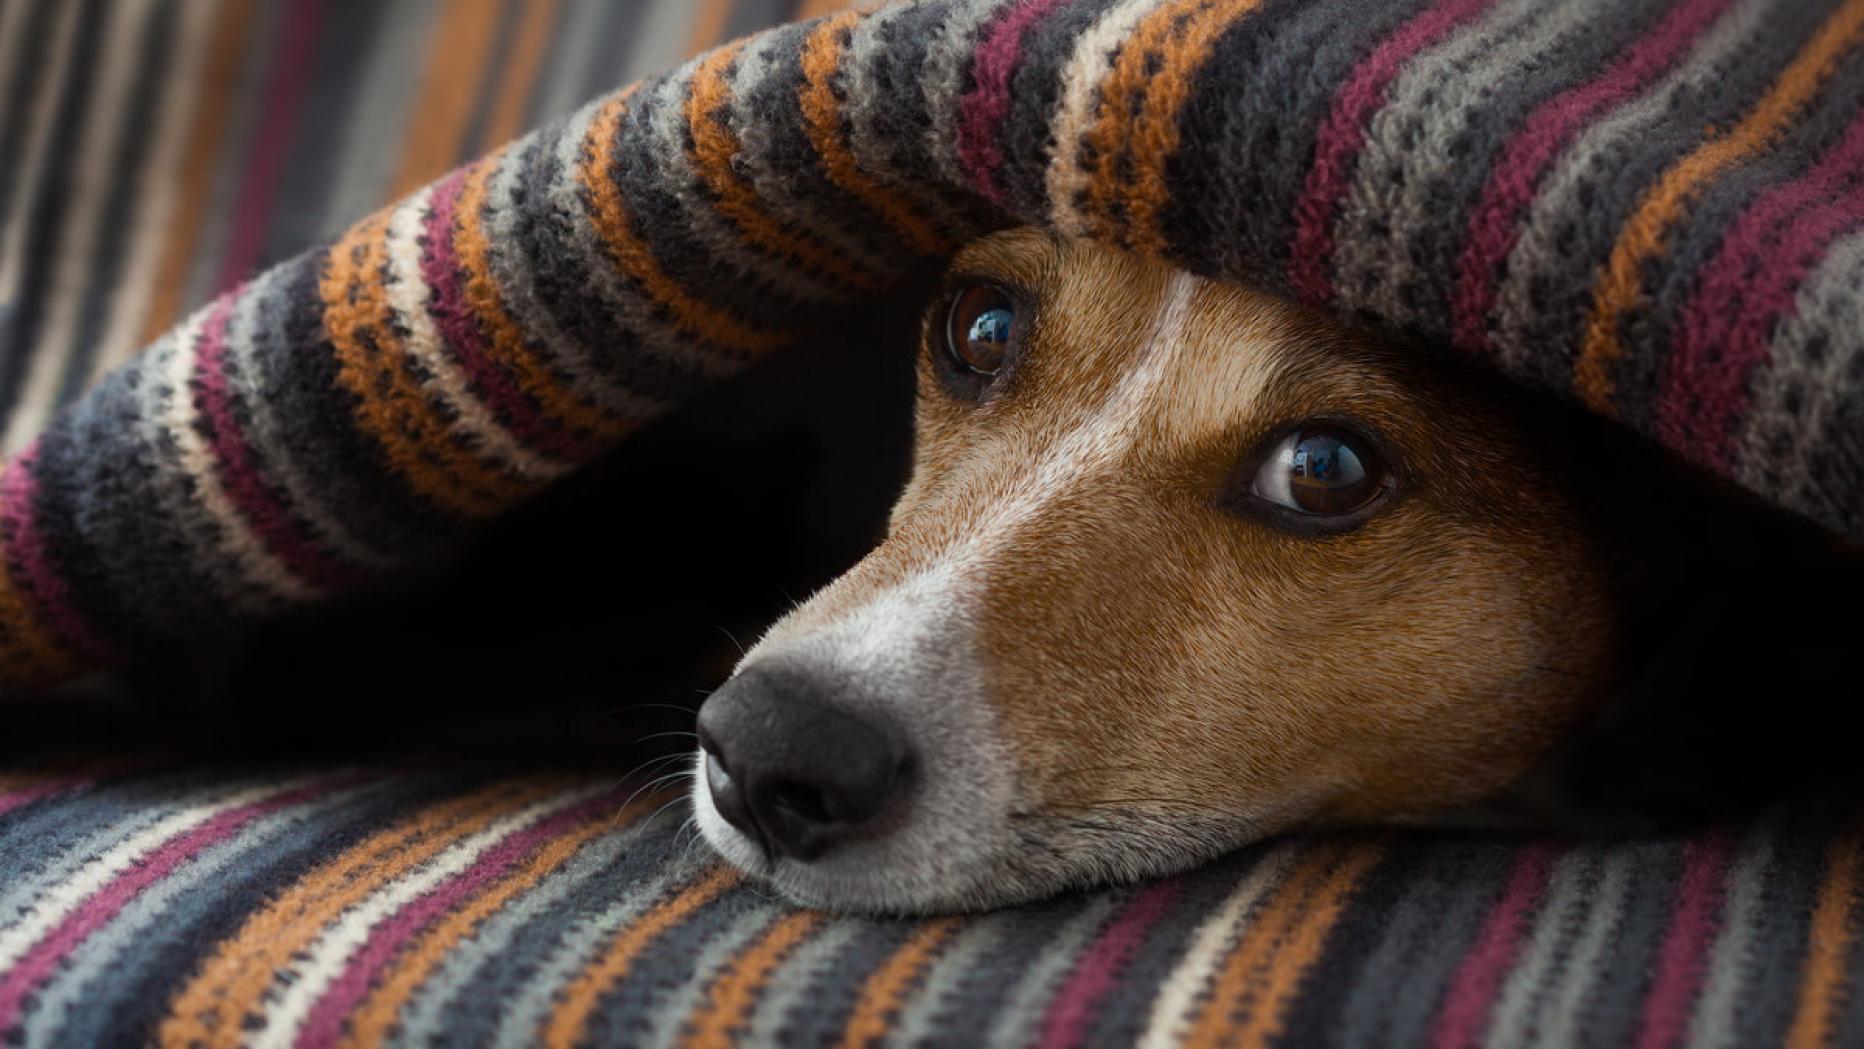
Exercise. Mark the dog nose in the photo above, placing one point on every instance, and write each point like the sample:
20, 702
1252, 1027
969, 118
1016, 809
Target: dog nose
792, 769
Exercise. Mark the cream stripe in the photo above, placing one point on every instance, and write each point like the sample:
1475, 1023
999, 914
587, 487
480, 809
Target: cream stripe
408, 296
1731, 960
72, 264
31, 159
258, 566
245, 378
1181, 993
325, 958
1080, 101
157, 190
67, 895
1518, 1011
1582, 971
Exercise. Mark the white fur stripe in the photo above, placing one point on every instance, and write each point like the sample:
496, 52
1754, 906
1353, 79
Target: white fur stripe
49, 910
326, 958
1213, 941
257, 565
1080, 101
408, 295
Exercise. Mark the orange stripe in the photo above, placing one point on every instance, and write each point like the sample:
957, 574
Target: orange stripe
712, 150
1246, 968
1302, 948
536, 18
579, 999
1619, 287
456, 59
709, 26
728, 1003
1829, 945
817, 8
390, 404
505, 341
1123, 90
609, 214
886, 990
374, 1020
1155, 137
28, 655
821, 60
211, 1009
226, 52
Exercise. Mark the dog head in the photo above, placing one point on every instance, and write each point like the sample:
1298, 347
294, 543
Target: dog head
1179, 566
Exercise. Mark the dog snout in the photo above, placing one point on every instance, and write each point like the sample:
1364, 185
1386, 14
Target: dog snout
795, 770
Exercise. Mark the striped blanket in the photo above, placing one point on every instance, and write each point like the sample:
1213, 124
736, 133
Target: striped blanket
465, 907
1653, 206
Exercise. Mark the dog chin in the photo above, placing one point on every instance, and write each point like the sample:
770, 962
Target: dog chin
911, 875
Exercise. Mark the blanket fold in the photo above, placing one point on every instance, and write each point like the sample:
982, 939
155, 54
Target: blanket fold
1652, 206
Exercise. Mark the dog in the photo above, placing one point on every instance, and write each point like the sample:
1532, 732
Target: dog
1181, 566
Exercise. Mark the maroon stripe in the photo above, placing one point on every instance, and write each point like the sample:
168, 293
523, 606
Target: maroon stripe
245, 483
284, 97
459, 327
1465, 1014
1725, 332
31, 561
1337, 146
1493, 225
984, 108
1098, 971
1684, 953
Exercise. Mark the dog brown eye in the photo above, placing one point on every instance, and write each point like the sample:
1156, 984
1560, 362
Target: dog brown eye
977, 330
1321, 470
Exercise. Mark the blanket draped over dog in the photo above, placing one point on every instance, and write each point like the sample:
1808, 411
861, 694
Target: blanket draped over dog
1652, 205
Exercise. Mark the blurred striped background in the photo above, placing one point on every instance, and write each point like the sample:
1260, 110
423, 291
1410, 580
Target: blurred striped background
154, 153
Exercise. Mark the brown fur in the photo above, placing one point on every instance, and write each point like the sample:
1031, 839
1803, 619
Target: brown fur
1145, 649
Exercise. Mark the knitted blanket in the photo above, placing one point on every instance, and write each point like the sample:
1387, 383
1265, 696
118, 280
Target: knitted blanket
464, 907
1653, 206
1649, 205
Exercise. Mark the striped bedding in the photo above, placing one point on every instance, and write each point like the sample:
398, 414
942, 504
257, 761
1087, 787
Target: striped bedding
1654, 206
464, 906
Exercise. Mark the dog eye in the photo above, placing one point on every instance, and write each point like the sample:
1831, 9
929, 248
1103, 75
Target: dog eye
977, 328
1322, 471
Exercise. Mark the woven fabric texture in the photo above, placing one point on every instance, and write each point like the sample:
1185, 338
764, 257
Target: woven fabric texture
460, 907
1651, 205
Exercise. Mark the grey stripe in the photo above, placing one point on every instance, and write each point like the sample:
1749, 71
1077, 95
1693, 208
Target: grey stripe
791, 985
1570, 226
1561, 1016
523, 1013
429, 1012
72, 990
1522, 1006
275, 455
587, 31
1397, 993
660, 41
781, 164
1812, 379
1424, 150
366, 169
1016, 1020
945, 76
668, 1019
1265, 93
232, 151
921, 1018
884, 110
571, 360
1732, 963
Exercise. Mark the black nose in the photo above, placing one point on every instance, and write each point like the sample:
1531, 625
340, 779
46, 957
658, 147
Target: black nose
793, 769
